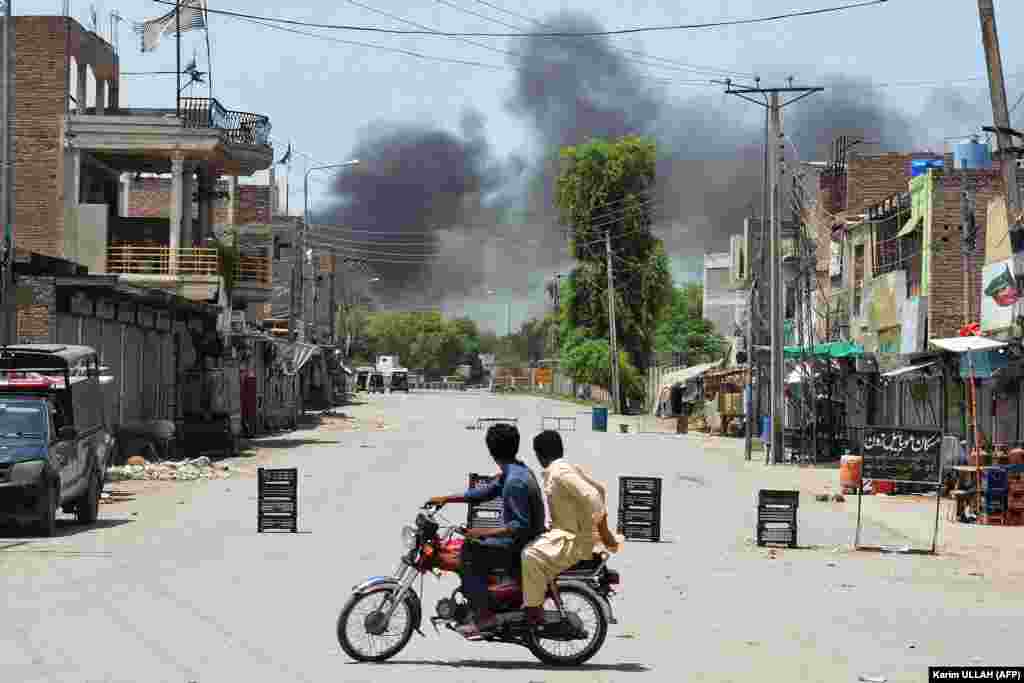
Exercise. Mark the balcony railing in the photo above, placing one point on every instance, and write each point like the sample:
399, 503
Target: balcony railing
240, 127
139, 258
153, 259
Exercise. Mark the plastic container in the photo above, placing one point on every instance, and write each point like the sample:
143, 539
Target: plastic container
849, 471
600, 419
886, 487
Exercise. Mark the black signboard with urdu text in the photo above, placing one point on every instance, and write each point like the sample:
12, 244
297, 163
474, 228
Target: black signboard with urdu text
906, 454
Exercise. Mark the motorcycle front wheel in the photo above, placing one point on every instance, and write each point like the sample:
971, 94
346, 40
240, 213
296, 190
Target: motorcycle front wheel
362, 635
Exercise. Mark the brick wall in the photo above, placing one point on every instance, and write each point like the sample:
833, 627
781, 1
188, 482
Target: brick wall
946, 283
40, 81
152, 197
872, 179
37, 321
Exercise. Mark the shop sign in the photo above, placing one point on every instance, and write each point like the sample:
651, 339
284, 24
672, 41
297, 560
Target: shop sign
905, 454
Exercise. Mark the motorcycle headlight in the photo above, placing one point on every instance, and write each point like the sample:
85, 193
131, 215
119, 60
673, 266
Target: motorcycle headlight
408, 537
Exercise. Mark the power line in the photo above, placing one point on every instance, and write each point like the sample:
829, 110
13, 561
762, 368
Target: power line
461, 62
554, 34
669, 64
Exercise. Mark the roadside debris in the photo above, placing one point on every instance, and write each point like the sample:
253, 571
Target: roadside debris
185, 470
868, 678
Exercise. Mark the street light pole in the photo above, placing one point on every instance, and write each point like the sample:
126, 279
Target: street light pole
297, 323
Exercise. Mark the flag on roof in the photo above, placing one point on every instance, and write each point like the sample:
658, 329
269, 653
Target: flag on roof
193, 16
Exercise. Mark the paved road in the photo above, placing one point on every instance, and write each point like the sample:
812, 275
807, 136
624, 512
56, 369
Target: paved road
185, 590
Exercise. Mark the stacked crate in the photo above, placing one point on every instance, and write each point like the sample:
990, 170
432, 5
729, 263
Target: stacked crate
994, 490
488, 515
640, 508
1015, 495
777, 517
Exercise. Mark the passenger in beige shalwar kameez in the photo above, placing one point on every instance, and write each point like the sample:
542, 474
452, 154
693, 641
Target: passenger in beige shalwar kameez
579, 523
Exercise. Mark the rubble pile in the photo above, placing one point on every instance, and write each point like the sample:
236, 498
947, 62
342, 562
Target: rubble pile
185, 470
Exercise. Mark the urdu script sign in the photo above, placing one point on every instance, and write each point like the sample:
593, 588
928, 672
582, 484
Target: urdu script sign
902, 454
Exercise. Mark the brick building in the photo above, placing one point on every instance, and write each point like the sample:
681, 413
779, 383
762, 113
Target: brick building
76, 145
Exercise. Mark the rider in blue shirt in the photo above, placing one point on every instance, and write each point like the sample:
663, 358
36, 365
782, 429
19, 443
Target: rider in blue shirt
522, 521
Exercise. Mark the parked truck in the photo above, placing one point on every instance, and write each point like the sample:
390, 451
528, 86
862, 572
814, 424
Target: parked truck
54, 445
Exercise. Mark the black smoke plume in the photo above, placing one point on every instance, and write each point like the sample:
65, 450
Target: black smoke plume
494, 223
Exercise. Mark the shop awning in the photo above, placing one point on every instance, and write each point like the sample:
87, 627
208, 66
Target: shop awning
686, 374
838, 349
909, 368
964, 344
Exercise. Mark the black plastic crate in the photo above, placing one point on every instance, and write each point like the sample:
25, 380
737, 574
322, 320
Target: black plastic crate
277, 500
636, 500
639, 516
777, 535
640, 532
484, 515
640, 508
772, 497
639, 485
776, 515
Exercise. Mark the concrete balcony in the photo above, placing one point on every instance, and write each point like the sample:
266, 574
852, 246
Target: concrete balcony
195, 273
147, 140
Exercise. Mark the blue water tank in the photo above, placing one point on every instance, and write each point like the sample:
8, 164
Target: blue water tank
972, 155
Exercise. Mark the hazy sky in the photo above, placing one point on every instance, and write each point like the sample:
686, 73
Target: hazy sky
320, 95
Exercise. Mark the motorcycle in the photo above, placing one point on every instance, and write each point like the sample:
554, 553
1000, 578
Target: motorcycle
386, 610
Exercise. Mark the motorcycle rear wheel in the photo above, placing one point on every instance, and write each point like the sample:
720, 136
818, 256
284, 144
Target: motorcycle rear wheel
575, 600
403, 615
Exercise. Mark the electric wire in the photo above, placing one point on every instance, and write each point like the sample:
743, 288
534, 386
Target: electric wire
667, 63
553, 34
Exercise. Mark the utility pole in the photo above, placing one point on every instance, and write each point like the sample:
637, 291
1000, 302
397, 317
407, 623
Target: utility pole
612, 343
1006, 153
7, 189
333, 315
297, 321
775, 147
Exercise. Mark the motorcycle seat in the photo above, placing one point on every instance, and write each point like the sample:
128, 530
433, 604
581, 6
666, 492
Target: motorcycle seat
585, 566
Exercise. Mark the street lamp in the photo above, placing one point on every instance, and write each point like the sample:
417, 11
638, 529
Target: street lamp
301, 239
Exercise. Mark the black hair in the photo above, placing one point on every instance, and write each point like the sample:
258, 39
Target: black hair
548, 446
503, 442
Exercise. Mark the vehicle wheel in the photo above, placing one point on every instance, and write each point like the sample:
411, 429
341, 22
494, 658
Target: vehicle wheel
47, 525
88, 508
572, 652
356, 619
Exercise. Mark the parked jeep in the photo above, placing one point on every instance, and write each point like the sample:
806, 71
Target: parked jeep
54, 446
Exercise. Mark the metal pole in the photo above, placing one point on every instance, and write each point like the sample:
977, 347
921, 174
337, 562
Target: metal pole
7, 190
747, 446
612, 342
775, 263
1001, 116
333, 322
761, 272
177, 40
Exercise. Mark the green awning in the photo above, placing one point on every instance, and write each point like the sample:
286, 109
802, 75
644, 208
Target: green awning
838, 349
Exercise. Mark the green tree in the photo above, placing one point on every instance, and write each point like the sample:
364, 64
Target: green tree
684, 330
604, 188
423, 340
